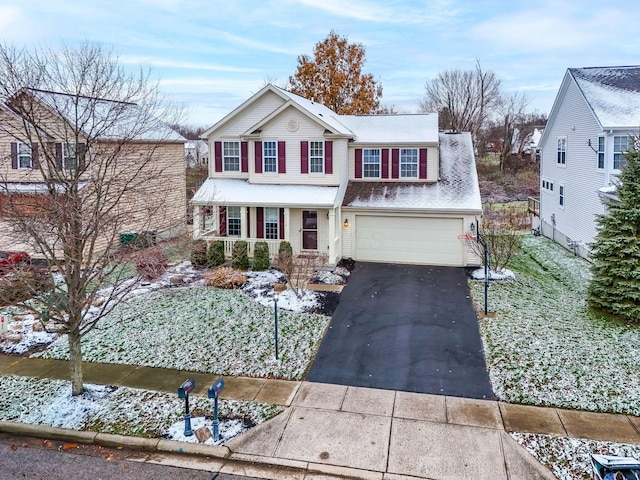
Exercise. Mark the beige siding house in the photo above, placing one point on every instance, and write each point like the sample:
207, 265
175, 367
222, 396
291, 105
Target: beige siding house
147, 206
381, 188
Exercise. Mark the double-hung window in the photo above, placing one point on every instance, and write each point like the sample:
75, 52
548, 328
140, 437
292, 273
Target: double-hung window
371, 163
562, 150
620, 147
69, 156
601, 153
316, 157
271, 223
408, 163
561, 195
231, 156
234, 222
270, 156
24, 155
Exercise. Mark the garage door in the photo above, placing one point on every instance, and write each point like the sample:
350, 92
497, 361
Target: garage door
429, 241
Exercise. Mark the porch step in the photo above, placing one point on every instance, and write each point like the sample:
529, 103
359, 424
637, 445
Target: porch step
323, 287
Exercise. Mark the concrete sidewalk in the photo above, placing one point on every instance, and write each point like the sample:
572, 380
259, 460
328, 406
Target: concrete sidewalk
364, 433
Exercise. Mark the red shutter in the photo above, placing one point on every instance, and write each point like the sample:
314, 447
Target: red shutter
35, 162
82, 153
258, 157
328, 157
395, 163
282, 157
260, 222
248, 223
14, 155
281, 224
385, 163
59, 156
217, 148
304, 157
222, 219
244, 156
358, 163
423, 163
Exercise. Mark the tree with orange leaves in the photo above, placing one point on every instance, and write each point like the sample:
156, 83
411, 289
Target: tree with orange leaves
334, 77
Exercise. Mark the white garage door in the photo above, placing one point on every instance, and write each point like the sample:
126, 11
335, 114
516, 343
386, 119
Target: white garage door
430, 241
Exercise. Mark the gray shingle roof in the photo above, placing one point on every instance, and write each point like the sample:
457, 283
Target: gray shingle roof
457, 189
612, 92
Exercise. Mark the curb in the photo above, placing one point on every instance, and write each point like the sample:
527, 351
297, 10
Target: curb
111, 440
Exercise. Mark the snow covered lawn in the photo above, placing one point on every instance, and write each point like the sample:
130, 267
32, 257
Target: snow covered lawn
121, 410
545, 347
203, 329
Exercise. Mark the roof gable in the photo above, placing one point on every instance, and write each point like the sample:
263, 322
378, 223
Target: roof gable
612, 92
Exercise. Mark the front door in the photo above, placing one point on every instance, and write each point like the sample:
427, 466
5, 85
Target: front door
309, 230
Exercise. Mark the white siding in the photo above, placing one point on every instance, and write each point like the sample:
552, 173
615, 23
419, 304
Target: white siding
580, 176
307, 130
432, 162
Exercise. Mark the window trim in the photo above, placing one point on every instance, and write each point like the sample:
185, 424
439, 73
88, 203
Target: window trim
20, 155
316, 157
602, 156
620, 153
547, 185
404, 163
366, 155
274, 156
562, 194
67, 157
561, 151
237, 221
268, 222
226, 157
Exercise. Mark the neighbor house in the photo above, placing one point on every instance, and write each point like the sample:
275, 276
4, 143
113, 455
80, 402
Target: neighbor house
381, 188
25, 146
593, 120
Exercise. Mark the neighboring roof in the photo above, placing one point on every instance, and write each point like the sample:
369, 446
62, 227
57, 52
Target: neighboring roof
609, 195
105, 119
31, 187
612, 92
388, 129
227, 191
457, 189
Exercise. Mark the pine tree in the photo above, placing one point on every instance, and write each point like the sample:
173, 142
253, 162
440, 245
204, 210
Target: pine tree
615, 285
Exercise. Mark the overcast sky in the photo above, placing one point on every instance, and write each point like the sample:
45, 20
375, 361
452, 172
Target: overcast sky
212, 55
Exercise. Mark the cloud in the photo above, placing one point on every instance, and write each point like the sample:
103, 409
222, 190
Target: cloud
398, 12
167, 63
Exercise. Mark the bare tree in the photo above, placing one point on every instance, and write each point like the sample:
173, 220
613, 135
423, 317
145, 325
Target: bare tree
101, 159
464, 99
511, 113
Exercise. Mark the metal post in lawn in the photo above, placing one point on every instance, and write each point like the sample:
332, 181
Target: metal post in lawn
486, 272
275, 318
183, 392
214, 392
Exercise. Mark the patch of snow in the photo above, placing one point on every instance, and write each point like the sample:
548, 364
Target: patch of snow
503, 274
227, 429
259, 286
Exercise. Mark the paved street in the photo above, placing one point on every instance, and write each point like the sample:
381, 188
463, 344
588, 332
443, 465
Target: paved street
405, 327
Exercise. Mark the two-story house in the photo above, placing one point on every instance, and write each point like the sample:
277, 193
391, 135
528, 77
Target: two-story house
592, 122
382, 188
43, 145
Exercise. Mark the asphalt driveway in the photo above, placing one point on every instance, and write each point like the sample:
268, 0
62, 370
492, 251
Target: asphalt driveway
405, 327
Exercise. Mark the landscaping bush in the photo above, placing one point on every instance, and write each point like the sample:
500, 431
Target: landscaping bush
240, 258
225, 277
261, 259
215, 255
199, 253
151, 264
21, 285
285, 247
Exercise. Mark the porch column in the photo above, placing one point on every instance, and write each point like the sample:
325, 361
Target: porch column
287, 227
243, 222
197, 221
332, 235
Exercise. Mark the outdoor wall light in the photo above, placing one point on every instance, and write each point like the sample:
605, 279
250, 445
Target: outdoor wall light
472, 227
346, 223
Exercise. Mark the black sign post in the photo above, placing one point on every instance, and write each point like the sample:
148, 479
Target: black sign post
183, 392
214, 392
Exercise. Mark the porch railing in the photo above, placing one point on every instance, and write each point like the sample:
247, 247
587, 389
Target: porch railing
251, 243
534, 206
